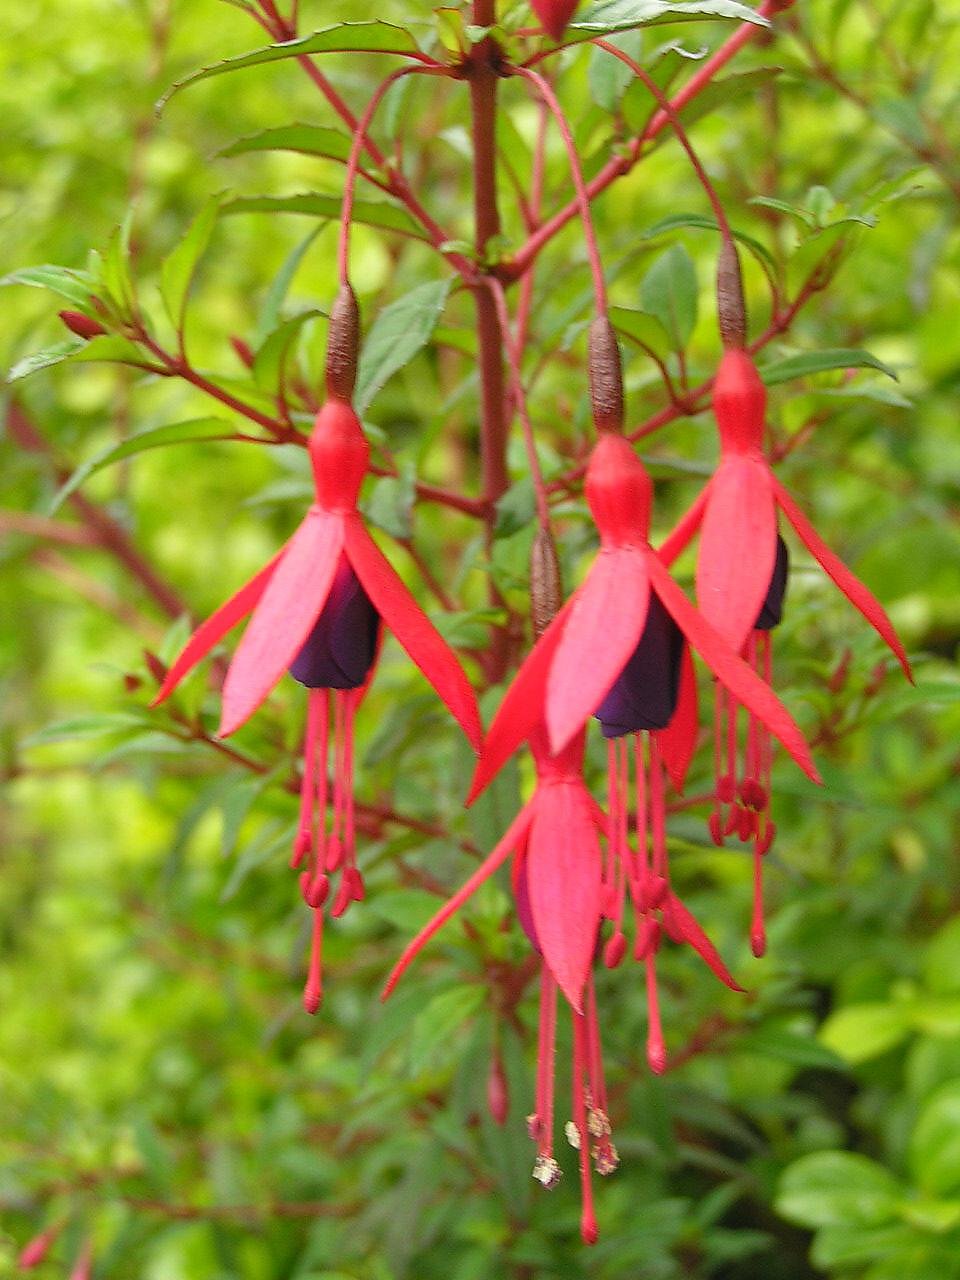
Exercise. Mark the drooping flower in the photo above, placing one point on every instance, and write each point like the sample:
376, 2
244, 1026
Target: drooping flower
741, 581
554, 14
316, 611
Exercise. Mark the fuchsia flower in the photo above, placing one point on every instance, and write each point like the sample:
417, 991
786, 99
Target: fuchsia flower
554, 14
741, 580
316, 609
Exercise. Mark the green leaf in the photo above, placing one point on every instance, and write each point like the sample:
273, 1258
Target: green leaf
344, 37
390, 504
399, 332
643, 328
798, 1050
941, 960
153, 438
860, 1032
270, 361
837, 1189
317, 204
81, 727
108, 349
117, 279
609, 77
810, 362
620, 15
179, 268
75, 286
279, 287
935, 1143
669, 292
719, 93
307, 139
436, 1024
704, 222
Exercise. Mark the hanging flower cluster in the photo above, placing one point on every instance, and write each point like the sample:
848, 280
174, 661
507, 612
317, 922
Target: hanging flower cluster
591, 884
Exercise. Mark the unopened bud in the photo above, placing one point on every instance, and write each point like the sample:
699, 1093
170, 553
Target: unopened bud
498, 1093
546, 587
156, 667
83, 326
606, 377
244, 353
34, 1253
731, 308
343, 345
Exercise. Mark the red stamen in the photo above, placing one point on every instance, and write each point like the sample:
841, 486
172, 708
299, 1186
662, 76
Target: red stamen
588, 1220
656, 1049
313, 991
304, 839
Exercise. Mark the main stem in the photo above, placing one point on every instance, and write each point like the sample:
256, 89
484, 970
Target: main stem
493, 431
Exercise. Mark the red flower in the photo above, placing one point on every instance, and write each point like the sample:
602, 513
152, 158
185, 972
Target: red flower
741, 582
316, 611
588, 646
554, 14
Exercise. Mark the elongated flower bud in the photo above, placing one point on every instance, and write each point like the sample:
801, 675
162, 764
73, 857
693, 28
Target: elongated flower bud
606, 377
343, 345
554, 14
731, 308
34, 1253
83, 326
546, 587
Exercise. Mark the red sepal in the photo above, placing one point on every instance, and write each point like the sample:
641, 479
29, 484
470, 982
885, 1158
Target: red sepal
211, 632
282, 620
678, 741
404, 617
681, 924
681, 535
554, 14
604, 627
738, 547
564, 871
513, 839
522, 706
860, 596
731, 671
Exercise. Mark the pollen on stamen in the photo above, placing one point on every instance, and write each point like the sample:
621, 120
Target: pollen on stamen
572, 1134
547, 1172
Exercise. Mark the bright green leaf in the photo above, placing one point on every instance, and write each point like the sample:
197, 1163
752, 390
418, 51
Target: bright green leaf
399, 332
178, 269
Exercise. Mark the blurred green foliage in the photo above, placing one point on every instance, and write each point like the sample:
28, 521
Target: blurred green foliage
160, 1087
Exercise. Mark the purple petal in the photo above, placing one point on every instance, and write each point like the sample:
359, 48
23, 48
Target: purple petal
645, 693
341, 648
771, 613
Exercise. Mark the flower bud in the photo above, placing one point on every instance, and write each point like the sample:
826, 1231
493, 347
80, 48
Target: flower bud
343, 345
546, 588
83, 326
34, 1253
731, 308
606, 377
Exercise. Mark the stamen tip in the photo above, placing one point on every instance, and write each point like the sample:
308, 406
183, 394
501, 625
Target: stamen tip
588, 1228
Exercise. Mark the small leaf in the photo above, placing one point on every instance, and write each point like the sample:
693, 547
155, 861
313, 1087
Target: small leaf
935, 1143
643, 328
344, 37
703, 222
809, 362
390, 504
860, 1032
178, 269
108, 349
317, 204
82, 727
837, 1189
669, 292
270, 361
307, 139
152, 438
609, 77
276, 294
620, 15
76, 286
788, 1046
399, 332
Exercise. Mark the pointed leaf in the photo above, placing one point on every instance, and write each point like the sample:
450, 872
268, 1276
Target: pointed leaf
344, 37
669, 292
318, 204
411, 626
512, 840
860, 596
399, 332
605, 625
307, 139
179, 268
738, 548
212, 631
564, 873
75, 286
682, 924
808, 362
291, 604
108, 349
619, 15
745, 685
152, 438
